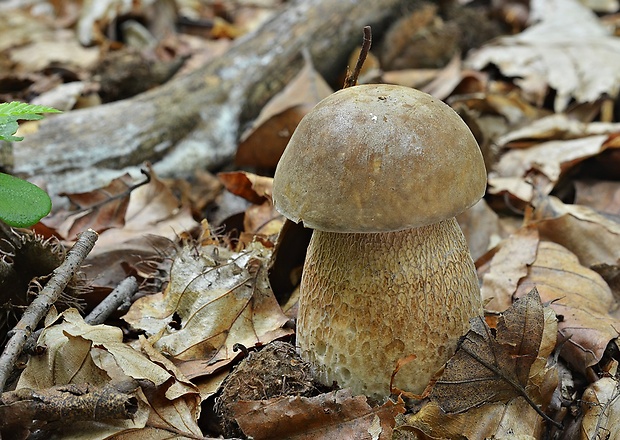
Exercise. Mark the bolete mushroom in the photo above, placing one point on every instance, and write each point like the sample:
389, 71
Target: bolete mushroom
379, 172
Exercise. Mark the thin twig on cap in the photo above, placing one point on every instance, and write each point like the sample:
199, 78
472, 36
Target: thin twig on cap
351, 78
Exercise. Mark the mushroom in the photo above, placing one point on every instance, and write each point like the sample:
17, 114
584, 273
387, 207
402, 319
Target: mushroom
379, 172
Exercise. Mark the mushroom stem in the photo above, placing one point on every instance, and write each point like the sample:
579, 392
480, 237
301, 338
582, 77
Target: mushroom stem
368, 300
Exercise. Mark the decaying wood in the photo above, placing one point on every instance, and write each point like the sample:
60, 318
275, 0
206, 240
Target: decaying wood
194, 122
67, 403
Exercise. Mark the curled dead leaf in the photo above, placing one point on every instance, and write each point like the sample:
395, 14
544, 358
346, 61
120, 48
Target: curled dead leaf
336, 415
498, 381
215, 298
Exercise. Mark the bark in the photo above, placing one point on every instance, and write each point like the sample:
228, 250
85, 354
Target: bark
68, 403
194, 122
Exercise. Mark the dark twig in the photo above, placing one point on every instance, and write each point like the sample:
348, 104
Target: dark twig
351, 78
42, 303
121, 195
122, 293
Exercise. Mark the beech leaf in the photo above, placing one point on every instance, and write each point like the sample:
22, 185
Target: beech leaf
569, 49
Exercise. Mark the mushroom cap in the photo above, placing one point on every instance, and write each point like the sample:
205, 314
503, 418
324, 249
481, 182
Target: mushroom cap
378, 158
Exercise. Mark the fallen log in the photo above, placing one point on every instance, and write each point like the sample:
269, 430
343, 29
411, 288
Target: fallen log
194, 122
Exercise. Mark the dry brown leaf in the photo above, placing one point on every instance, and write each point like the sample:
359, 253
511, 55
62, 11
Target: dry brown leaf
60, 50
508, 366
551, 159
510, 105
512, 421
263, 148
489, 368
79, 353
416, 78
577, 294
600, 404
601, 195
517, 189
481, 227
100, 209
569, 49
255, 189
553, 127
449, 78
581, 299
263, 144
262, 220
507, 267
215, 299
332, 416
153, 210
594, 238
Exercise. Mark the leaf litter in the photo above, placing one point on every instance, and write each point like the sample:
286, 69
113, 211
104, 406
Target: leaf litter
213, 305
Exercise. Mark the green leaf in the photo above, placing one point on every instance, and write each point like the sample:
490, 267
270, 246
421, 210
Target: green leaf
22, 204
11, 112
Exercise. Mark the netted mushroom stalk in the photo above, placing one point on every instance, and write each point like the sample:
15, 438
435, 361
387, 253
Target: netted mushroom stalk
379, 172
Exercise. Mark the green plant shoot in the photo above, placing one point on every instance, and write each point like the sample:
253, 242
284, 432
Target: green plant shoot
22, 204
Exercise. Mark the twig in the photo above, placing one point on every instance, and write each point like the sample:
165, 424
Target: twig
42, 303
122, 293
351, 78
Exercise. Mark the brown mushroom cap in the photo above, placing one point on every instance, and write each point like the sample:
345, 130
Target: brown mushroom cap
377, 158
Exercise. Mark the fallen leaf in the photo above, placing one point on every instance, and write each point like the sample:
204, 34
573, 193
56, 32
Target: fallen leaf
593, 237
600, 195
262, 220
552, 159
507, 267
581, 299
152, 210
481, 228
215, 299
60, 50
518, 191
559, 126
578, 295
514, 420
490, 368
254, 188
263, 144
600, 404
78, 353
415, 78
100, 209
332, 416
569, 48
448, 79
498, 381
